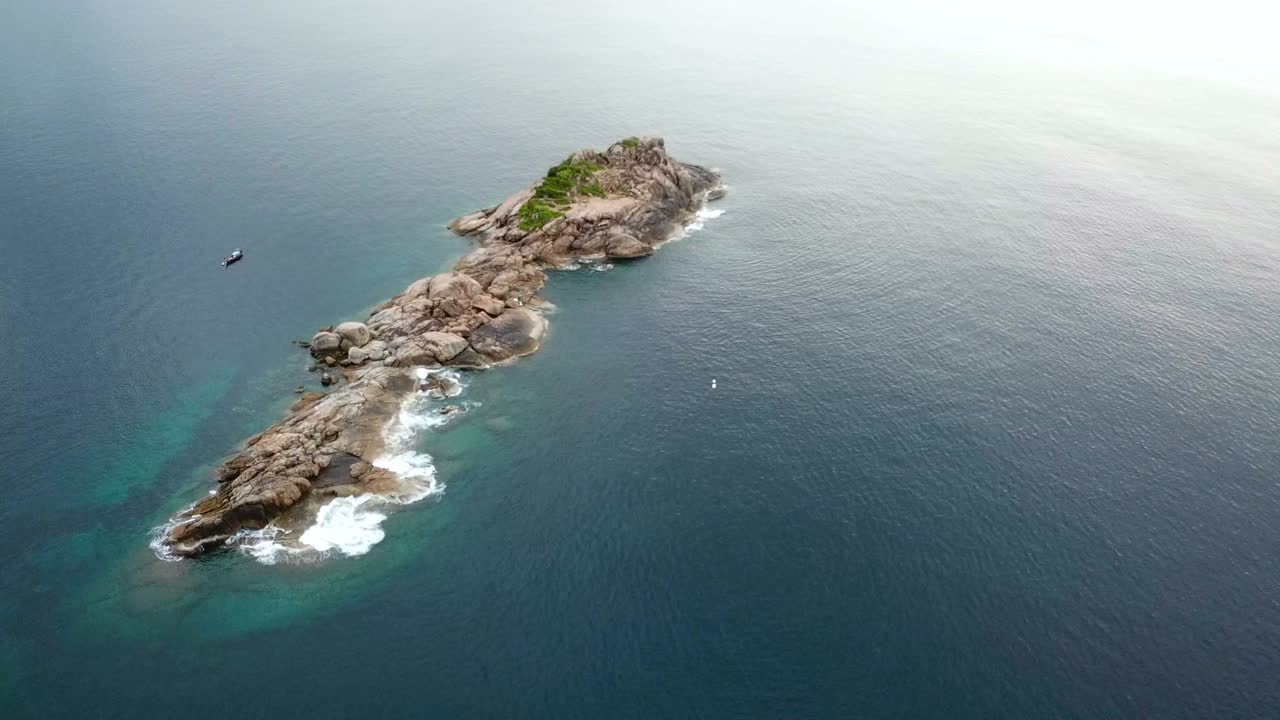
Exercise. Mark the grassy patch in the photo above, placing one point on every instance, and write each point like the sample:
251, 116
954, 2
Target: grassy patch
561, 185
534, 214
631, 142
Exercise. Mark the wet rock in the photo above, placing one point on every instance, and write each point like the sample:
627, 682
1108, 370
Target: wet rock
441, 386
514, 333
469, 359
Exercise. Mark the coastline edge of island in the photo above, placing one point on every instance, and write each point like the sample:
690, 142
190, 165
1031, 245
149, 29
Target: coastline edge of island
615, 205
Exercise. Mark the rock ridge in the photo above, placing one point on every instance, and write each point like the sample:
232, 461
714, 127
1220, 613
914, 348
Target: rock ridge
617, 204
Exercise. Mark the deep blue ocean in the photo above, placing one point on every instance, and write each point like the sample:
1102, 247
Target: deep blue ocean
996, 342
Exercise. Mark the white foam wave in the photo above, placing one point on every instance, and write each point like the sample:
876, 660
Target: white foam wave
585, 262
696, 223
417, 477
158, 534
417, 413
351, 526
264, 545
701, 217
348, 525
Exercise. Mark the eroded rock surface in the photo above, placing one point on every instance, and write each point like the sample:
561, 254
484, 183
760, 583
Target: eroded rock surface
514, 333
629, 199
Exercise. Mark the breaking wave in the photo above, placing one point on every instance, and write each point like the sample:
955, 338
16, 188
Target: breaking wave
696, 223
346, 525
351, 526
701, 217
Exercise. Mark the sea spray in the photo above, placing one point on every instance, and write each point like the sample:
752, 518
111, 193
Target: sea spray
264, 545
697, 222
701, 217
346, 524
351, 526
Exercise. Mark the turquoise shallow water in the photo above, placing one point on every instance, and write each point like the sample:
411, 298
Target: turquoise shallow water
995, 344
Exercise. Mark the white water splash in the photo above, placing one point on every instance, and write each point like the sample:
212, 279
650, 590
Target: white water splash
351, 526
158, 534
696, 223
700, 219
263, 545
346, 525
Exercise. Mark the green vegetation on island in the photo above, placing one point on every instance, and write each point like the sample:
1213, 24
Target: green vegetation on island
562, 184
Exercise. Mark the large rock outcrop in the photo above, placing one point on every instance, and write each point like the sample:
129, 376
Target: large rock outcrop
514, 333
354, 333
429, 348
620, 204
625, 247
276, 469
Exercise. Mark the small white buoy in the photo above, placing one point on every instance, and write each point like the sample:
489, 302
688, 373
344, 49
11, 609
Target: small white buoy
713, 383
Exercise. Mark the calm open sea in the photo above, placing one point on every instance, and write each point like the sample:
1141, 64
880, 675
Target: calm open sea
996, 344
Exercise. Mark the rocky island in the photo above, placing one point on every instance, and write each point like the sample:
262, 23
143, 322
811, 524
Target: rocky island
617, 204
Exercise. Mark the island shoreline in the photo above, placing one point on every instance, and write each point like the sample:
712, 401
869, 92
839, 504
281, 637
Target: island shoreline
619, 205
